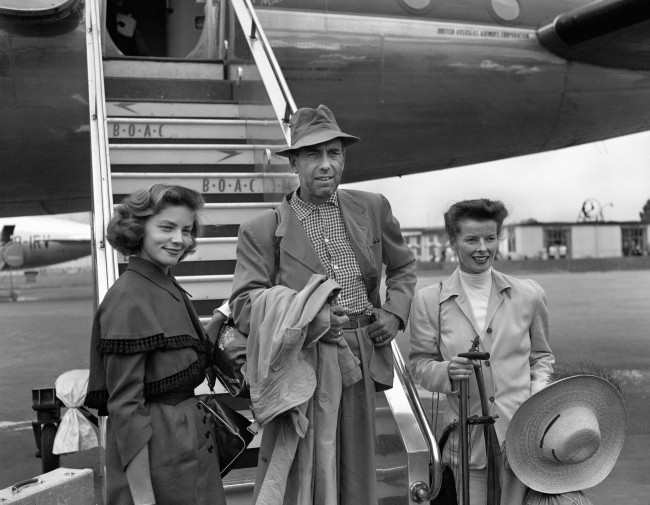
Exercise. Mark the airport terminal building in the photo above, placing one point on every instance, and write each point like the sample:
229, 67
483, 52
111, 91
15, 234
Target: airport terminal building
544, 241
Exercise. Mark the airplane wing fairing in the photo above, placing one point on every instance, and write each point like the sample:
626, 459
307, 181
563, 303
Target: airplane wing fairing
44, 132
614, 33
37, 8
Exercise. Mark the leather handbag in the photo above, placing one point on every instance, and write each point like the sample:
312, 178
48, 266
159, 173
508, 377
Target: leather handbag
228, 354
228, 430
229, 357
448, 494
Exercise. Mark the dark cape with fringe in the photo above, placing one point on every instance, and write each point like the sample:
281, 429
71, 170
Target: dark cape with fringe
146, 311
148, 353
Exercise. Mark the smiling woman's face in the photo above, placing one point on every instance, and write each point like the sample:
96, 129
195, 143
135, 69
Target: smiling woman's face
167, 235
476, 244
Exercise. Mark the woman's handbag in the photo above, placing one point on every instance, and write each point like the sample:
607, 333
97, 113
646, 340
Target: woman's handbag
228, 429
229, 357
228, 354
447, 494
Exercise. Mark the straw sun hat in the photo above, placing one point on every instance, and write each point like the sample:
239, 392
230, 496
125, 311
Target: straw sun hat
568, 436
573, 498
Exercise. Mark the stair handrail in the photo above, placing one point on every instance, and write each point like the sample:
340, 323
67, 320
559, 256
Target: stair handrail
104, 256
272, 76
420, 491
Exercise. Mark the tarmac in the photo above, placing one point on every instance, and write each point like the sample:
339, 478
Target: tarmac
603, 317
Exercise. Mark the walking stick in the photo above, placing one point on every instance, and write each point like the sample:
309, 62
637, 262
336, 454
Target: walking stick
464, 440
492, 449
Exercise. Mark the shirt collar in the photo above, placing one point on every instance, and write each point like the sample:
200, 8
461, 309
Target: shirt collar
452, 287
303, 209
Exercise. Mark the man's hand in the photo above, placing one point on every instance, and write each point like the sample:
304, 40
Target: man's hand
338, 319
384, 329
214, 326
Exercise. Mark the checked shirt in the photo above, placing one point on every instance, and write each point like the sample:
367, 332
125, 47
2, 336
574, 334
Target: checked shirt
325, 228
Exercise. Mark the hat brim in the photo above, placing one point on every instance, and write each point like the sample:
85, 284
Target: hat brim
537, 412
536, 498
319, 137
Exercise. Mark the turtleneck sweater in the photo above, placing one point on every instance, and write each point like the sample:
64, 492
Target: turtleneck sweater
477, 287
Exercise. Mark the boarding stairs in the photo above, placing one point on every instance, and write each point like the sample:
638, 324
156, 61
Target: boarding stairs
212, 122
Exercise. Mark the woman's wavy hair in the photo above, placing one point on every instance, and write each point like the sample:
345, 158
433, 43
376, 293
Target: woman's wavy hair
125, 231
480, 209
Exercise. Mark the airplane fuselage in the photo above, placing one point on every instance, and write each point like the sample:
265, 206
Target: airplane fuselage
427, 85
447, 86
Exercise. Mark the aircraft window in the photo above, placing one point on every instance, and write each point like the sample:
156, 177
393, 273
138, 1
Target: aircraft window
505, 10
417, 6
34, 7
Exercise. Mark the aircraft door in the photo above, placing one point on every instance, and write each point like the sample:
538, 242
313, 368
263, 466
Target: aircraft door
185, 21
7, 233
193, 29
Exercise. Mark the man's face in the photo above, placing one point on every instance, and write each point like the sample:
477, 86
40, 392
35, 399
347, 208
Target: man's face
319, 168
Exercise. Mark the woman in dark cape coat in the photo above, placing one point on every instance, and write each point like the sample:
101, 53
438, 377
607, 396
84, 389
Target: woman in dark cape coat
148, 353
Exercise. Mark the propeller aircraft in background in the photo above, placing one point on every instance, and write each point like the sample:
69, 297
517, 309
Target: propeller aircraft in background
39, 241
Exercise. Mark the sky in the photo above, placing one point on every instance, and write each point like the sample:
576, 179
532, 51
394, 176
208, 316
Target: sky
548, 187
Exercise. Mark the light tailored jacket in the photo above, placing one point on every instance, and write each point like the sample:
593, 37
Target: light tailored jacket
516, 335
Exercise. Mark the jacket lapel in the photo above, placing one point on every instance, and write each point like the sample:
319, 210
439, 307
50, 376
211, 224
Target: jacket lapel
357, 224
497, 295
295, 242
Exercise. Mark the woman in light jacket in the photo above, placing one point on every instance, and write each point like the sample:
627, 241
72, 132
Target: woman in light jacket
505, 316
148, 353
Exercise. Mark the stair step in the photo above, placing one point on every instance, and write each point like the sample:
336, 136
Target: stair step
193, 154
173, 128
176, 109
210, 267
233, 213
207, 287
238, 486
129, 89
151, 68
209, 249
189, 268
209, 183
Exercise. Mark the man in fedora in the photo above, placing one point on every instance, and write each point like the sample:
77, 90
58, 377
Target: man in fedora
348, 236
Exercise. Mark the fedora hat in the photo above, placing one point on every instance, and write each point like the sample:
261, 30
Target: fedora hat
315, 126
568, 436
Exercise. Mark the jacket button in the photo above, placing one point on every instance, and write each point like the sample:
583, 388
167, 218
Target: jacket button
198, 406
207, 434
492, 399
210, 448
489, 330
323, 396
487, 363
